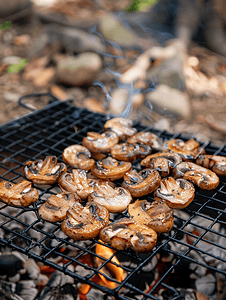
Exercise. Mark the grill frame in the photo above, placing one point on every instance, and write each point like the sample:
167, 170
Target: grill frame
44, 132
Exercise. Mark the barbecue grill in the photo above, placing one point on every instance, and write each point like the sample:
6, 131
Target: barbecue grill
48, 132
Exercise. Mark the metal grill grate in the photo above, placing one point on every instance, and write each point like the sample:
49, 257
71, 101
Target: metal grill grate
48, 132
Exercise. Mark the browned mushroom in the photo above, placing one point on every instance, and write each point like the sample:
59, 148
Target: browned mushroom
115, 200
214, 162
78, 156
97, 142
127, 233
202, 177
146, 138
56, 206
130, 152
83, 223
175, 193
141, 183
156, 215
122, 127
111, 169
44, 172
188, 150
162, 162
20, 194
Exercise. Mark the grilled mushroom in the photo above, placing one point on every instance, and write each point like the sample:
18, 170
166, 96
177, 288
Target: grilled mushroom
130, 152
56, 206
175, 193
156, 215
44, 172
213, 162
146, 138
78, 156
162, 162
202, 177
20, 194
110, 168
83, 223
142, 183
97, 142
127, 233
122, 127
115, 200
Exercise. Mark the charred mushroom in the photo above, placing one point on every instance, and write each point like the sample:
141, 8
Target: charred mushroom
146, 138
175, 193
44, 172
122, 127
214, 162
20, 194
156, 215
130, 152
78, 156
56, 206
162, 162
97, 142
202, 177
83, 223
111, 169
142, 183
127, 233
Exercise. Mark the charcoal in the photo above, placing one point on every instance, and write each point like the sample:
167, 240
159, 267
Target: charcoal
10, 265
94, 294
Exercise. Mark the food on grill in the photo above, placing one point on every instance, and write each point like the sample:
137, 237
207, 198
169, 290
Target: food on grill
20, 194
110, 168
115, 200
214, 162
162, 162
56, 206
78, 156
188, 150
146, 138
202, 177
122, 127
128, 233
141, 183
44, 172
83, 223
97, 142
156, 215
130, 152
177, 193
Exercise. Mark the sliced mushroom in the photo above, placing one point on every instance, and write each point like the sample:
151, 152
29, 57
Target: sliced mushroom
202, 177
162, 162
146, 138
97, 142
188, 150
127, 233
156, 215
142, 183
213, 162
44, 172
115, 200
20, 194
130, 152
175, 193
83, 223
111, 169
78, 156
56, 206
122, 127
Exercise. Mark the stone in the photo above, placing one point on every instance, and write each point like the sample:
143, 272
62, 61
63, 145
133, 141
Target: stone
11, 60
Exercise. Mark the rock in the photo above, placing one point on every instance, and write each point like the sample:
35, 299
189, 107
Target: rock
44, 77
12, 97
93, 104
59, 93
79, 70
23, 39
11, 60
15, 9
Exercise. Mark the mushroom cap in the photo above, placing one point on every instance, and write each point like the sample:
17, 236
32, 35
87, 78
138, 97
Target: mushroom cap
19, 194
44, 172
122, 127
141, 183
146, 138
216, 163
202, 177
128, 233
177, 193
97, 142
83, 223
130, 152
78, 156
116, 200
56, 206
156, 215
